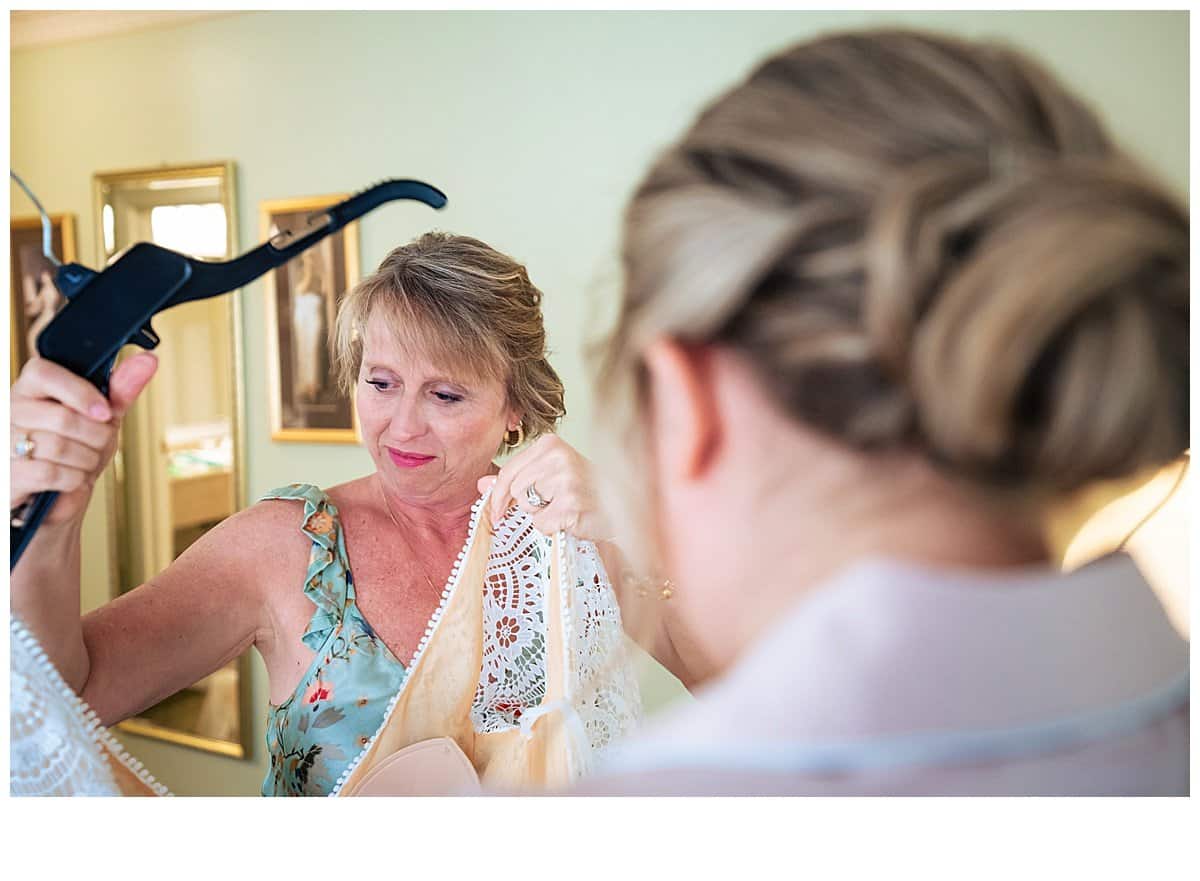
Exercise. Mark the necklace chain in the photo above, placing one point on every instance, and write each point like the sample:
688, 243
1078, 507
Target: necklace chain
400, 530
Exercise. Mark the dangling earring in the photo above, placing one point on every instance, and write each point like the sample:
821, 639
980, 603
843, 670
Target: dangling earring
520, 436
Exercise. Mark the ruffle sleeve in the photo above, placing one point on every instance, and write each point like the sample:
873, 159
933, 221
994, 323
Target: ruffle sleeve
326, 583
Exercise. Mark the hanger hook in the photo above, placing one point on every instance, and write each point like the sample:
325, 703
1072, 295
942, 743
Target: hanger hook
47, 227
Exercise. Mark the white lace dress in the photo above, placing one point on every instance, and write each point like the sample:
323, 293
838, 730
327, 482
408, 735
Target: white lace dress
602, 685
57, 745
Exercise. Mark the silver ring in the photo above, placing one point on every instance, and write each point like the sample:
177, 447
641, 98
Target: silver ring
23, 449
535, 498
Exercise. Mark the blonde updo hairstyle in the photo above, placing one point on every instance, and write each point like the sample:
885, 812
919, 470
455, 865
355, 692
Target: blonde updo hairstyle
466, 306
920, 243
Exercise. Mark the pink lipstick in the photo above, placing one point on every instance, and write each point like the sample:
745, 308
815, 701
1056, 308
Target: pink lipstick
405, 459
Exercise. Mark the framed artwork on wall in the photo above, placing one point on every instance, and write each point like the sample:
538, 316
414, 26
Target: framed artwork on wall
303, 297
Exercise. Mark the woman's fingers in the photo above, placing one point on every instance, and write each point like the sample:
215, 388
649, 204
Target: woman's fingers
560, 493
547, 484
63, 431
518, 490
29, 415
58, 449
555, 516
129, 378
560, 479
506, 487
33, 476
44, 380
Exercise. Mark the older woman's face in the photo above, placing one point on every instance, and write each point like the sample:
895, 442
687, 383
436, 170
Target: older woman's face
431, 433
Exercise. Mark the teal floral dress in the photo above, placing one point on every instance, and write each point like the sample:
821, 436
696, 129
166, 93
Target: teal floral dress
340, 703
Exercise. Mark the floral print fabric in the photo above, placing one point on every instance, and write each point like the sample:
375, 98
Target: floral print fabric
341, 701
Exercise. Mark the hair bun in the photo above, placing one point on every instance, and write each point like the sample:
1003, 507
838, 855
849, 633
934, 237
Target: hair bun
920, 243
1053, 348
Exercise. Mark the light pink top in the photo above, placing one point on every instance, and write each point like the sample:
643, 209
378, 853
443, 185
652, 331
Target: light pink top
894, 679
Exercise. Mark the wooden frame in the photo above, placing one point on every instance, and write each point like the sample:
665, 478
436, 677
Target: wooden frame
305, 403
28, 264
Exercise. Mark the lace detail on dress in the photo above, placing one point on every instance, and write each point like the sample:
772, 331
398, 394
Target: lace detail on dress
57, 745
513, 676
512, 680
604, 686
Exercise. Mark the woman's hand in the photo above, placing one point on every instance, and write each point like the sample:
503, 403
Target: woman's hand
563, 480
72, 427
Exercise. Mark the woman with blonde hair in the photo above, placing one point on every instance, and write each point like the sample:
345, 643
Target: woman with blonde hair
349, 593
883, 302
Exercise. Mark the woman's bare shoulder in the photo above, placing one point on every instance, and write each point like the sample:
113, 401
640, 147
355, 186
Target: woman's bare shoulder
266, 537
272, 518
353, 493
266, 519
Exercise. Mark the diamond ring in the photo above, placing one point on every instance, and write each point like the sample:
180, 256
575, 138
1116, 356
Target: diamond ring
535, 498
23, 449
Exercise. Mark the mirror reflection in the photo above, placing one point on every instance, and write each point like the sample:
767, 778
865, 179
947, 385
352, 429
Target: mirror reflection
179, 471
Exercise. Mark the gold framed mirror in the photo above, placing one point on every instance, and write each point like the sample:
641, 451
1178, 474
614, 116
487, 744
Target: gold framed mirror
180, 468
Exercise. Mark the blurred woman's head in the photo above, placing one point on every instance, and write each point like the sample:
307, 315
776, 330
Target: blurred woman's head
889, 271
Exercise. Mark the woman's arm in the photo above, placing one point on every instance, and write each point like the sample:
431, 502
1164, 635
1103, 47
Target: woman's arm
63, 433
203, 611
642, 611
44, 594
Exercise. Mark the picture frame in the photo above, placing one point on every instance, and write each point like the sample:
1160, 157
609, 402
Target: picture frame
35, 299
303, 297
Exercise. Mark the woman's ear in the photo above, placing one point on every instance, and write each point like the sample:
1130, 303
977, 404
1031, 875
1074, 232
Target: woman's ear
683, 408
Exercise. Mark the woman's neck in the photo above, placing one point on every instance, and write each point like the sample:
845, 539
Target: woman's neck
755, 509
913, 515
785, 534
440, 517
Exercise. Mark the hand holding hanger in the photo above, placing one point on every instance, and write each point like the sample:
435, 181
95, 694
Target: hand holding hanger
64, 432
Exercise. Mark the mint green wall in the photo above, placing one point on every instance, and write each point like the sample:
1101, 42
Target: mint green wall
536, 125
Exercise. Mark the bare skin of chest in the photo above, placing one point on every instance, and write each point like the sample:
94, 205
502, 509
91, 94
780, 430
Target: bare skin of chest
397, 597
398, 585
